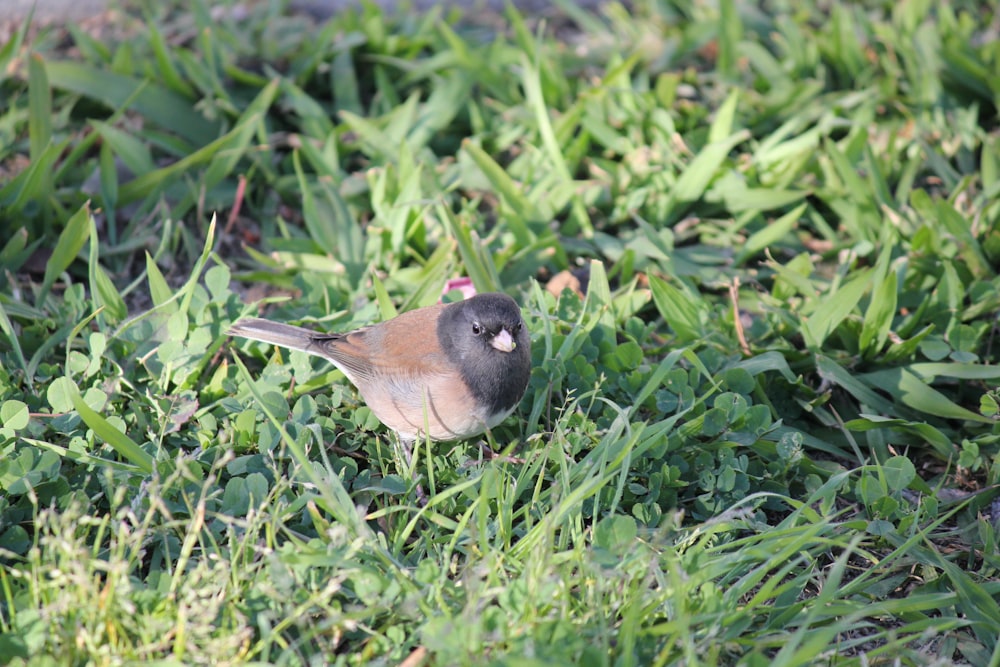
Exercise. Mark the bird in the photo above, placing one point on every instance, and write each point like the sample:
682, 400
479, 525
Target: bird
443, 372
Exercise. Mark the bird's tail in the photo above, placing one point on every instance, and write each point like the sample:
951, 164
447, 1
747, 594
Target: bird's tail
277, 333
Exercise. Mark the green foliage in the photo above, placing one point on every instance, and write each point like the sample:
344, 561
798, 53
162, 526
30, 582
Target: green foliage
766, 433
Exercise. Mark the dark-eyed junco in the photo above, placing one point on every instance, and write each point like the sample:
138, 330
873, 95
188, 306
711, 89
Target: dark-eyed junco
446, 371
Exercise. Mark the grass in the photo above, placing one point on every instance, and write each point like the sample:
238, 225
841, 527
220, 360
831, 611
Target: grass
766, 434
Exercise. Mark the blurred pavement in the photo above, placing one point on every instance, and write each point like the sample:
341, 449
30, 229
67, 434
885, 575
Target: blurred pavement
76, 10
47, 10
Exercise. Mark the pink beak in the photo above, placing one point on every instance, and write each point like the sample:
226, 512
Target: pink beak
503, 341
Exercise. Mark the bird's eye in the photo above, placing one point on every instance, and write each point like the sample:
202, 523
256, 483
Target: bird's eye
517, 328
476, 328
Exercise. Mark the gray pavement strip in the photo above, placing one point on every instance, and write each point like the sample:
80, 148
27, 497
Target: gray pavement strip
75, 10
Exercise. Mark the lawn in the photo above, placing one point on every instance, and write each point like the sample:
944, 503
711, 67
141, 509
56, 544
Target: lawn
761, 430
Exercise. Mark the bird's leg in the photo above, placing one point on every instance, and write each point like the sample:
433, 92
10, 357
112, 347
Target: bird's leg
492, 454
406, 450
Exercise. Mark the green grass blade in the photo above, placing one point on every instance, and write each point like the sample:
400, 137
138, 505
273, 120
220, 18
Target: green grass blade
773, 233
730, 36
102, 290
68, 246
32, 185
85, 458
523, 210
703, 168
478, 264
129, 148
909, 389
39, 107
941, 443
159, 105
531, 81
168, 71
120, 442
959, 371
221, 155
331, 224
831, 309
15, 344
159, 290
722, 125
13, 48
681, 313
862, 391
879, 316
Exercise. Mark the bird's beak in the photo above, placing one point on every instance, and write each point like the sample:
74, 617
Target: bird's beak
503, 341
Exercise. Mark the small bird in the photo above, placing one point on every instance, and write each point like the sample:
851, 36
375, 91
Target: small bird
447, 372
